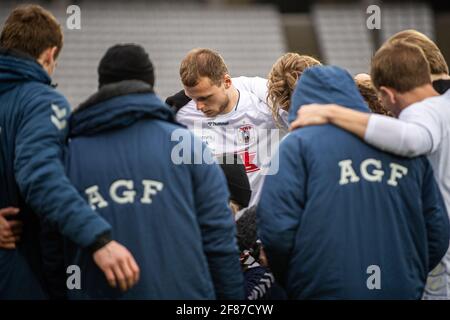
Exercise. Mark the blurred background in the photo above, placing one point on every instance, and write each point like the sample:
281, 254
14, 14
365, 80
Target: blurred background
250, 34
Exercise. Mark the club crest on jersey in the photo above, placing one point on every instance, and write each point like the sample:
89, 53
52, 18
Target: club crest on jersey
246, 134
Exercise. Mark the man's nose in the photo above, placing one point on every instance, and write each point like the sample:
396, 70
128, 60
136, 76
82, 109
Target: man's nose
200, 105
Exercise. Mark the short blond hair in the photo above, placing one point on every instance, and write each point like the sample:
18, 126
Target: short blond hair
434, 56
200, 63
282, 79
400, 65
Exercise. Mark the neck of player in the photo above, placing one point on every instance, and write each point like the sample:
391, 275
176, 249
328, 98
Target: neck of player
418, 94
234, 98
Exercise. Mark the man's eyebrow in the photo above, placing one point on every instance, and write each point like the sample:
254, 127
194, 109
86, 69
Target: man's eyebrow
204, 97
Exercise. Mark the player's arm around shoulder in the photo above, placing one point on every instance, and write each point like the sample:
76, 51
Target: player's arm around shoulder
427, 127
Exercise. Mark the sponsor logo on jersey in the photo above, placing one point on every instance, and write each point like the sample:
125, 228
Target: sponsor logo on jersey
216, 124
58, 117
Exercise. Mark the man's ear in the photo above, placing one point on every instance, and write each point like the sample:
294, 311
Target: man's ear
227, 81
48, 56
388, 93
53, 53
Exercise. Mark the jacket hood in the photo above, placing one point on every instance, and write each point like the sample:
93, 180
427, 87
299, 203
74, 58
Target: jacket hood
118, 105
16, 68
324, 85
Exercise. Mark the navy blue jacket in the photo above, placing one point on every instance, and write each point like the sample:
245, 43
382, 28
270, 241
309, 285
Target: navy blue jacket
174, 218
343, 220
33, 130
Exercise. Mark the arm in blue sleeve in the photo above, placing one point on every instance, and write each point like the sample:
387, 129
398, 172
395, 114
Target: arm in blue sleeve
281, 206
40, 173
436, 219
53, 263
218, 229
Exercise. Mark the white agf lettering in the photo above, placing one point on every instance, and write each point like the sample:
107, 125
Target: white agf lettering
375, 174
151, 188
95, 199
123, 192
347, 172
127, 196
397, 172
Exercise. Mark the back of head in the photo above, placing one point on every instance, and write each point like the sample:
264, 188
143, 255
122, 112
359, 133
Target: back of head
325, 85
434, 56
401, 66
283, 77
200, 63
125, 62
31, 29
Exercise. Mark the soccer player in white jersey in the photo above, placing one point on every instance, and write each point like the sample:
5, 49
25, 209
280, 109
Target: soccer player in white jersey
240, 115
401, 75
227, 119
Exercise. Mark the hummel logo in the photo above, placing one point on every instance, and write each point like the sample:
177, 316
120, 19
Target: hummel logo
58, 117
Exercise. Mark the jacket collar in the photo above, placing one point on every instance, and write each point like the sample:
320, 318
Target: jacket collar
116, 106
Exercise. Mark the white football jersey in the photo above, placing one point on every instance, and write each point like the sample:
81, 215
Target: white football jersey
248, 130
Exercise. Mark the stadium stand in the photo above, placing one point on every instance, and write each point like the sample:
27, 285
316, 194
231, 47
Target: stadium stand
250, 36
398, 17
250, 39
343, 37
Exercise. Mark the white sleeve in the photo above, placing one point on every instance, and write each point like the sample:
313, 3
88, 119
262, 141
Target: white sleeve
182, 116
255, 85
428, 115
408, 139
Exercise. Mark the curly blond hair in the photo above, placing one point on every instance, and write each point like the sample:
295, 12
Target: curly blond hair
369, 94
282, 79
